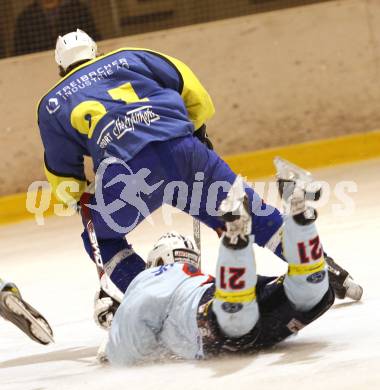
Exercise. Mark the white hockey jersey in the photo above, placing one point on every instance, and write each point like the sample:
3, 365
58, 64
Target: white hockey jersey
157, 316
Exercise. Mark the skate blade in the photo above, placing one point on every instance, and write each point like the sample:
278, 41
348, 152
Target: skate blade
354, 291
38, 326
235, 197
289, 171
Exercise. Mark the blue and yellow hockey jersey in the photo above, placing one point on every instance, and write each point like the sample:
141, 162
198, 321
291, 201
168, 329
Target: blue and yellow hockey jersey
115, 105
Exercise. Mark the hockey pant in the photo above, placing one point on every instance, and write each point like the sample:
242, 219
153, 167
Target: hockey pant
278, 320
181, 172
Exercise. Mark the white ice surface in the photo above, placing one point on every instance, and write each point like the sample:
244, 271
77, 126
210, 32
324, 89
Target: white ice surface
339, 351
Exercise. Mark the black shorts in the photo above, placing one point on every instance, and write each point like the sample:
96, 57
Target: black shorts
278, 319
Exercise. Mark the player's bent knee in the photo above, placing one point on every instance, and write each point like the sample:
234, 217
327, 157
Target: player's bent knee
236, 319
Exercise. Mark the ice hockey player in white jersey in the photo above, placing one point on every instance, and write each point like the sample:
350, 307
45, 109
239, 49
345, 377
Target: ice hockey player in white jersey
14, 309
173, 308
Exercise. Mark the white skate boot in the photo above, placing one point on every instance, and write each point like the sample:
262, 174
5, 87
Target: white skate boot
235, 213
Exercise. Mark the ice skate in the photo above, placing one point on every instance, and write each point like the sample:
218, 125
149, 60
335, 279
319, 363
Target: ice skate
289, 175
14, 309
296, 186
342, 282
235, 213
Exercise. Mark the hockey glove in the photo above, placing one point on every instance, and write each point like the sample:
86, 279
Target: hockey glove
104, 309
201, 134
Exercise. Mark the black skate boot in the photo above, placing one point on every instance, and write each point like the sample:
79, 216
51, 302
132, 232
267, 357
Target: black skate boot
341, 281
14, 309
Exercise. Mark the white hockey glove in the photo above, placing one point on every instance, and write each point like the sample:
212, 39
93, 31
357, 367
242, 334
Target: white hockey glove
104, 309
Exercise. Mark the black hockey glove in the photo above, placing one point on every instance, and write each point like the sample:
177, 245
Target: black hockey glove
201, 134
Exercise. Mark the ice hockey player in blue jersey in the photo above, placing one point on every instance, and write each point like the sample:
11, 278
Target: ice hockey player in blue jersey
140, 115
173, 308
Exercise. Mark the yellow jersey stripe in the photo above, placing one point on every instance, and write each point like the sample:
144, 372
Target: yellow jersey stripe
236, 297
197, 100
306, 269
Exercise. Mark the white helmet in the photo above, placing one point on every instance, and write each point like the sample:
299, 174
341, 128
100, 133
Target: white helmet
74, 47
173, 248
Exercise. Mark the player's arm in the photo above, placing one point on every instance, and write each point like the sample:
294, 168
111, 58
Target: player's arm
174, 74
63, 161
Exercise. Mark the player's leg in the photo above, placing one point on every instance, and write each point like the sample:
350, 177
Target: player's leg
172, 161
133, 197
267, 221
121, 263
290, 303
192, 160
290, 177
235, 304
111, 225
307, 279
126, 193
279, 318
14, 309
